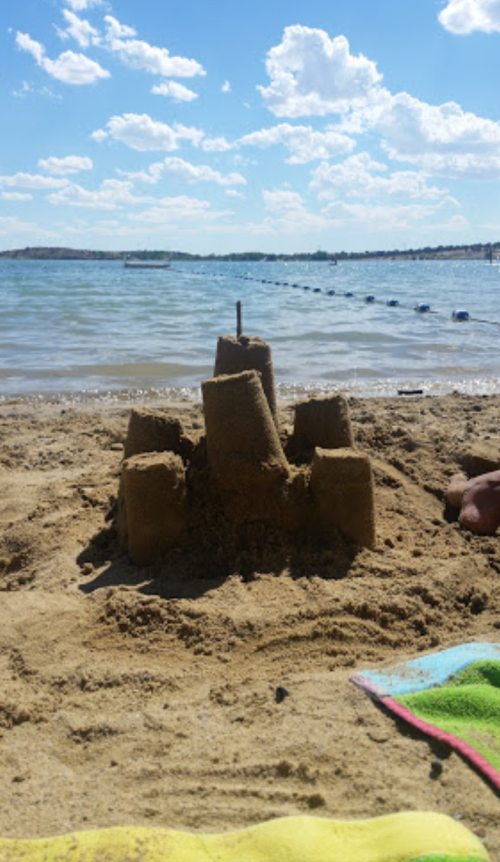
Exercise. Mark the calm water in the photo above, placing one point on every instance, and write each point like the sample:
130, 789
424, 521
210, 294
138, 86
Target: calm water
97, 329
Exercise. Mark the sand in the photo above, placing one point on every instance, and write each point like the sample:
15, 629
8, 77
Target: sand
206, 696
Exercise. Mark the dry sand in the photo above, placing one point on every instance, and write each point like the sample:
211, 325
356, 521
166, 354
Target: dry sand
132, 696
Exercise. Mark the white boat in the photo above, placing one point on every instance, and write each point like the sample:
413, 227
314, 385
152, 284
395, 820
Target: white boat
146, 264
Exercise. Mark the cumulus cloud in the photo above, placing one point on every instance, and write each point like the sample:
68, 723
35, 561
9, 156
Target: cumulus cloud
140, 132
115, 30
16, 196
142, 55
178, 209
177, 92
382, 217
226, 87
70, 68
215, 145
312, 74
67, 165
303, 143
184, 172
465, 16
442, 139
359, 176
32, 181
78, 29
81, 5
111, 195
189, 173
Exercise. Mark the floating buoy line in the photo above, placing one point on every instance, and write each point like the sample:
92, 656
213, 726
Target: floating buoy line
458, 315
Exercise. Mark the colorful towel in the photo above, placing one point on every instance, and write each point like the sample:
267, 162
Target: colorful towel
408, 837
453, 695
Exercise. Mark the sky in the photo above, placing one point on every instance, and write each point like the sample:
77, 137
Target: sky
271, 125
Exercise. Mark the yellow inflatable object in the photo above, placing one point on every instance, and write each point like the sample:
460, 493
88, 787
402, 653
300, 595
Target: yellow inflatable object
406, 837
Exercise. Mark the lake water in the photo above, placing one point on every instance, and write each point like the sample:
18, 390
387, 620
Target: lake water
95, 329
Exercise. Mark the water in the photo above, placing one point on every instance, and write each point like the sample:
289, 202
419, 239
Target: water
95, 329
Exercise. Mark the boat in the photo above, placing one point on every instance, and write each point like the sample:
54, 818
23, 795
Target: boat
134, 263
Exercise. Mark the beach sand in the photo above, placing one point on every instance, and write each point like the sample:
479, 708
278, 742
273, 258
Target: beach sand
149, 696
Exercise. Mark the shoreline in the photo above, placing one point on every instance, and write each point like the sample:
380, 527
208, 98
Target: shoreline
285, 392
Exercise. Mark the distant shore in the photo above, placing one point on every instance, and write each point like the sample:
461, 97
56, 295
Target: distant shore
477, 251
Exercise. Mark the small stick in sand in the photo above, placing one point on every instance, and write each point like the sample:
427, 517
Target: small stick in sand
239, 328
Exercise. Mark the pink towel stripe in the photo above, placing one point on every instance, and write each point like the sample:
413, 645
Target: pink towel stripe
431, 730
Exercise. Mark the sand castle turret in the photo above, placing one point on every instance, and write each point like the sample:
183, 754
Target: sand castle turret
245, 456
154, 501
323, 422
247, 354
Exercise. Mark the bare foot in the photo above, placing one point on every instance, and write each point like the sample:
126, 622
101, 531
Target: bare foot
480, 512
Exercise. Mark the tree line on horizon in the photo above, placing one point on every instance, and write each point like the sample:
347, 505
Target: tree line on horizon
474, 250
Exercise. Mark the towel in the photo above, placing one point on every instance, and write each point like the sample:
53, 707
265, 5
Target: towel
452, 695
405, 837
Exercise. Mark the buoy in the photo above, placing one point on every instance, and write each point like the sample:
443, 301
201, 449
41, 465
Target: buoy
422, 307
331, 293
392, 302
460, 315
370, 298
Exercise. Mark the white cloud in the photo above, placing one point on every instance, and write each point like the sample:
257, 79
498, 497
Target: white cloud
442, 139
16, 196
283, 201
111, 195
67, 165
302, 142
11, 225
70, 68
140, 132
465, 16
233, 193
215, 145
312, 74
177, 209
382, 217
355, 178
177, 92
184, 172
81, 5
115, 30
99, 135
32, 181
226, 87
142, 55
151, 176
79, 29
189, 173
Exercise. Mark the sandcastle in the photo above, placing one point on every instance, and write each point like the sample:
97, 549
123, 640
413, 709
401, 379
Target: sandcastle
312, 481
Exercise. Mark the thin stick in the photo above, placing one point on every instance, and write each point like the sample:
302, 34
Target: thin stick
239, 329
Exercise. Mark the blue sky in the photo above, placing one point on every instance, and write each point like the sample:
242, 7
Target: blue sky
273, 126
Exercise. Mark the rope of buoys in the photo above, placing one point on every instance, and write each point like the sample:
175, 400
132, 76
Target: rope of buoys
459, 315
